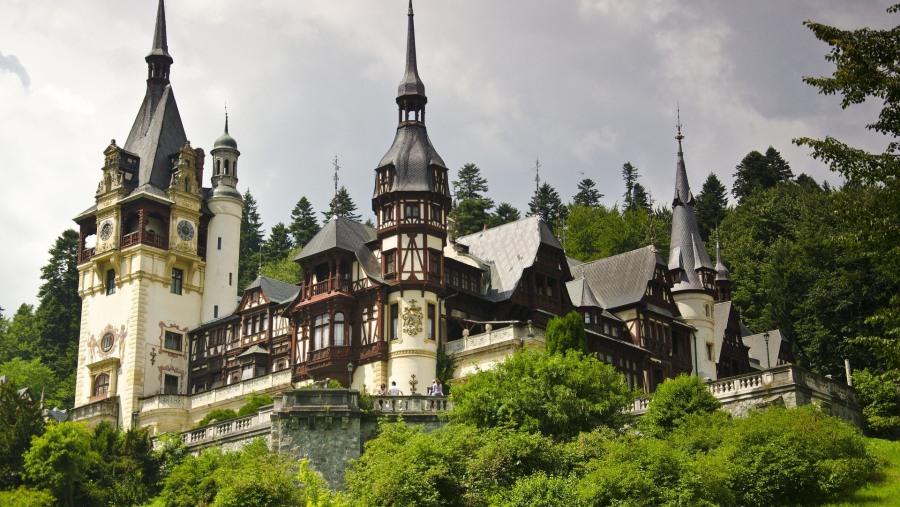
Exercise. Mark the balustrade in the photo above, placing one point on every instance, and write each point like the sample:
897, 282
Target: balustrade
411, 404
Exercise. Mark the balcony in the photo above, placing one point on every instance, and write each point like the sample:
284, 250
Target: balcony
103, 410
147, 238
413, 404
86, 254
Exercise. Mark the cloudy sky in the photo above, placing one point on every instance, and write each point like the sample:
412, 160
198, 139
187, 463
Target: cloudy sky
582, 85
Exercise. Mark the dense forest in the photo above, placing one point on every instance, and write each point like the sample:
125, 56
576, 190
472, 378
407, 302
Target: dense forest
818, 262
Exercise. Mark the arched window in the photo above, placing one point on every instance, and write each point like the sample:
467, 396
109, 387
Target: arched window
338, 329
218, 167
101, 384
227, 166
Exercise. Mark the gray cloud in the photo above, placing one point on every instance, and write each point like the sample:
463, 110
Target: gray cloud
11, 64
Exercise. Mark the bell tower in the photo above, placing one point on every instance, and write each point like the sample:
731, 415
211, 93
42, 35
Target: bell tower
411, 202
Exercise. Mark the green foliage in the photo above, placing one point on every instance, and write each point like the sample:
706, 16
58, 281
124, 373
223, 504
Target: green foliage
711, 205
279, 244
504, 214
636, 196
758, 172
285, 269
885, 490
24, 497
566, 333
20, 420
554, 394
546, 204
676, 399
254, 403
59, 461
39, 378
880, 396
251, 242
217, 415
342, 205
471, 211
303, 222
587, 194
798, 456
598, 232
540, 490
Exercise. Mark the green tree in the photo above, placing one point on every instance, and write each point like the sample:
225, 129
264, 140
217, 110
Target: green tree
554, 394
471, 211
38, 377
279, 245
504, 214
20, 421
285, 270
587, 194
342, 205
21, 334
758, 172
546, 204
303, 222
636, 196
674, 400
59, 460
251, 242
597, 232
711, 205
566, 333
880, 397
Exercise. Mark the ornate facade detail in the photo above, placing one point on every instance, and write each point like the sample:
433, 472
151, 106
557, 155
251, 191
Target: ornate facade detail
412, 319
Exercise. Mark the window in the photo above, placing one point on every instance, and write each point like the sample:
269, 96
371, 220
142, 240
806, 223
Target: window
320, 331
216, 311
338, 329
219, 243
173, 341
539, 284
587, 317
432, 321
411, 211
388, 213
170, 384
435, 213
395, 320
177, 276
229, 279
709, 351
263, 322
106, 342
389, 266
434, 262
110, 281
101, 384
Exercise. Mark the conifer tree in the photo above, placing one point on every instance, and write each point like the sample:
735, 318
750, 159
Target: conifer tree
546, 204
251, 241
636, 196
342, 205
58, 315
505, 214
758, 172
471, 210
303, 222
279, 245
711, 205
587, 195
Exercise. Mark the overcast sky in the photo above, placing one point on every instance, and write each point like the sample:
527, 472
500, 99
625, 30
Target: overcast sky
582, 85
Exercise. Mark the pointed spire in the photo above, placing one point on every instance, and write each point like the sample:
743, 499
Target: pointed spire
722, 272
226, 118
159, 60
411, 84
683, 194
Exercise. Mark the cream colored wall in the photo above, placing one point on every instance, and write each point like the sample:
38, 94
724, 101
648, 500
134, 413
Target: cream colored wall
220, 263
411, 354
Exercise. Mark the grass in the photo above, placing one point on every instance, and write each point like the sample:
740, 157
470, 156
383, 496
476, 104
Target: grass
886, 491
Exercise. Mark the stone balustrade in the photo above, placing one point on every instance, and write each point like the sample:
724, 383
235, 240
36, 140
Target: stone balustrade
265, 383
240, 429
519, 332
105, 410
412, 404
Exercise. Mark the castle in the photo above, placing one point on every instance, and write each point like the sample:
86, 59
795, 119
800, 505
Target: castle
164, 339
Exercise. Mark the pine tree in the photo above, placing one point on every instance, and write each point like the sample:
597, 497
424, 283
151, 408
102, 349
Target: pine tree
303, 222
279, 245
640, 199
471, 210
587, 195
711, 205
504, 214
546, 204
58, 315
342, 205
630, 175
758, 172
251, 241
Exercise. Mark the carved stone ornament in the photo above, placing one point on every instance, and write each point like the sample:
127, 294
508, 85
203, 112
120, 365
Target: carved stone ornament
412, 319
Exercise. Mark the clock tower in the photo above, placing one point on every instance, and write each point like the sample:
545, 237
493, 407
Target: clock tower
143, 259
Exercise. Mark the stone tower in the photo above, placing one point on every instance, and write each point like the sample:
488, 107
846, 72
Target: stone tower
693, 275
143, 256
411, 203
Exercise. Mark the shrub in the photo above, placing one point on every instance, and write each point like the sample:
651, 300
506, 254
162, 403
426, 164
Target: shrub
254, 403
676, 399
218, 415
540, 490
880, 397
566, 333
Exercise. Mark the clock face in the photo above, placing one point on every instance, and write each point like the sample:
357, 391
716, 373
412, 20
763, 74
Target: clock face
185, 230
106, 230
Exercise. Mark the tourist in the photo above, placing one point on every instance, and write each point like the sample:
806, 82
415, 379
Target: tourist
381, 391
436, 388
394, 390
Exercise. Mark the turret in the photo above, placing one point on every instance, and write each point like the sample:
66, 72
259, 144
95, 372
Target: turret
723, 275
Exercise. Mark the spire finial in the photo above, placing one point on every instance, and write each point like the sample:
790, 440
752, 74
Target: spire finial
159, 60
410, 8
679, 136
411, 84
160, 42
226, 117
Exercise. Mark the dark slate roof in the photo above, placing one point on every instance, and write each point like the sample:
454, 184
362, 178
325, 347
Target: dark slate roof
160, 41
686, 251
256, 349
156, 135
349, 235
757, 344
580, 294
411, 84
620, 280
722, 272
721, 312
276, 290
509, 249
411, 155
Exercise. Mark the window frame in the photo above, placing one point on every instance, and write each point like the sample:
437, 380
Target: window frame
110, 282
177, 286
100, 388
175, 336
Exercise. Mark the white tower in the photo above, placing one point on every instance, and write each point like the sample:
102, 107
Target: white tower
224, 233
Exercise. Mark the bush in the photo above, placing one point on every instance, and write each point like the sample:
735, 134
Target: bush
880, 397
557, 395
218, 415
676, 399
24, 497
254, 403
540, 490
566, 333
